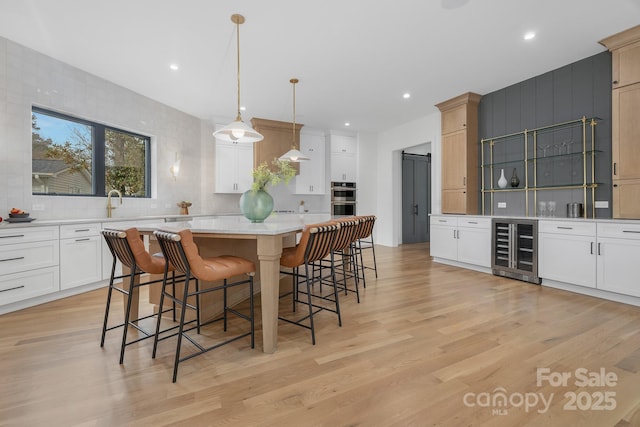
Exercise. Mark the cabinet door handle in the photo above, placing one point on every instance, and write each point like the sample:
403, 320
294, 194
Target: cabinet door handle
464, 180
615, 82
615, 168
82, 240
631, 231
12, 259
564, 228
82, 230
12, 289
591, 251
8, 237
472, 222
599, 252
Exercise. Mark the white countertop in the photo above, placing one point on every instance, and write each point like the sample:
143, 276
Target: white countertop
275, 224
232, 223
545, 218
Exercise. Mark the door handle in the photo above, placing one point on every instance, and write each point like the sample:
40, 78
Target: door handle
615, 168
591, 251
599, 252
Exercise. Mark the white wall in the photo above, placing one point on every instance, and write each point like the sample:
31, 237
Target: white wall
387, 173
29, 78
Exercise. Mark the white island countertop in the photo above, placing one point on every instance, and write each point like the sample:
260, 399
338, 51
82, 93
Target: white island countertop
172, 222
275, 224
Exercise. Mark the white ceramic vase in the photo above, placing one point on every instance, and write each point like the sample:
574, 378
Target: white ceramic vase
502, 182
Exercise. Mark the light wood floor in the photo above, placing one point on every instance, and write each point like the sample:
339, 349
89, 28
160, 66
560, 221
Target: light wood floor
425, 339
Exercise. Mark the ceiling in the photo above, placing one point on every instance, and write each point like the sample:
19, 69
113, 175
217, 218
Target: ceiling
354, 58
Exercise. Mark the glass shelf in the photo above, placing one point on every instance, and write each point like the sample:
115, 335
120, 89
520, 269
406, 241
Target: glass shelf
565, 156
508, 162
561, 169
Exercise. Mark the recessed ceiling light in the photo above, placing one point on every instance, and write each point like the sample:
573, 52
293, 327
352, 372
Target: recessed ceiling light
530, 35
243, 108
406, 95
347, 124
174, 67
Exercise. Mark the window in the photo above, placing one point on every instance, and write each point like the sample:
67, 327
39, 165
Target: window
71, 156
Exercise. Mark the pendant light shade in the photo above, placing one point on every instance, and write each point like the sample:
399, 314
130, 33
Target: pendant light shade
238, 131
294, 155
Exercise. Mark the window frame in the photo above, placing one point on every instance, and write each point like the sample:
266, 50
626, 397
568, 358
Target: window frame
98, 177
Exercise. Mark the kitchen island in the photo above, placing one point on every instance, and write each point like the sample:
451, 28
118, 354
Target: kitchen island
259, 242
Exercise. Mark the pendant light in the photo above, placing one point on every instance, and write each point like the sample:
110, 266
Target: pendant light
294, 155
238, 131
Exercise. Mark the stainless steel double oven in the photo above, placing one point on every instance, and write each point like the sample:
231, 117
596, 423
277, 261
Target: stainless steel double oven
343, 198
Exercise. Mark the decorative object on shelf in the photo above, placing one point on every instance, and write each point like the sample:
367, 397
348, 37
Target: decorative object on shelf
502, 181
515, 181
184, 207
294, 155
542, 208
256, 204
551, 208
238, 131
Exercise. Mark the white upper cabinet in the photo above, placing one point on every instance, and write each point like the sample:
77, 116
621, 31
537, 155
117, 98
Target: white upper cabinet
343, 158
343, 144
234, 163
312, 172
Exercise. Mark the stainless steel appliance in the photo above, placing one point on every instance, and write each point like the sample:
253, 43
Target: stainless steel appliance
343, 198
515, 249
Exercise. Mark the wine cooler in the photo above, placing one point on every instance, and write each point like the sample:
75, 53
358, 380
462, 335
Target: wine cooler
515, 249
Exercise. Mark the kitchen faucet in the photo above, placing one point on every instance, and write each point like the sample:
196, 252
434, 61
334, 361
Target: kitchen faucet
110, 207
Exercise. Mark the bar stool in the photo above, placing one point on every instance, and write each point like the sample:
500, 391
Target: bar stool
315, 244
342, 257
182, 253
127, 247
365, 241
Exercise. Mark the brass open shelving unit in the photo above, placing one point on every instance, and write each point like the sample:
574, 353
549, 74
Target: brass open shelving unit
503, 153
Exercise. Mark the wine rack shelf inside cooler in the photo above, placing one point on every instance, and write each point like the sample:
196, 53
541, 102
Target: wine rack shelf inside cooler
514, 252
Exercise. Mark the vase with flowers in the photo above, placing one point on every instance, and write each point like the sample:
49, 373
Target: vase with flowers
256, 204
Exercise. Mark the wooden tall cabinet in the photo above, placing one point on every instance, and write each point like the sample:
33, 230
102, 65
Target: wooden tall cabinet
460, 154
625, 58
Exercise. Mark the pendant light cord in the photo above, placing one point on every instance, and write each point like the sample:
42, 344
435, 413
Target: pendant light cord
238, 19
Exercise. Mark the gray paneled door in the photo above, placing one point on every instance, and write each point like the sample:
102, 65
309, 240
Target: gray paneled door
416, 197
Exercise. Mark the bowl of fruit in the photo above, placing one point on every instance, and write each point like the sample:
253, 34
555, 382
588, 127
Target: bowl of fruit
18, 213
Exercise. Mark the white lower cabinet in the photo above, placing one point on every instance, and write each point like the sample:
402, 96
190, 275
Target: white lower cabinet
29, 259
618, 254
598, 255
567, 252
462, 239
28, 284
80, 255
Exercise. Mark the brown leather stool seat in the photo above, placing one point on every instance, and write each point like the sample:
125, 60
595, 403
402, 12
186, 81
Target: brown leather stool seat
183, 255
127, 247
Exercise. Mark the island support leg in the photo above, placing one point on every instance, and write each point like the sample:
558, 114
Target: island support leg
269, 252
